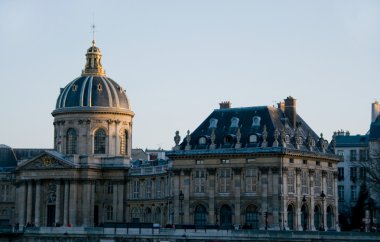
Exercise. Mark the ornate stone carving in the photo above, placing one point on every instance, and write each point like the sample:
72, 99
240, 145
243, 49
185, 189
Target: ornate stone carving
238, 137
265, 136
188, 139
283, 137
212, 137
275, 135
177, 139
46, 162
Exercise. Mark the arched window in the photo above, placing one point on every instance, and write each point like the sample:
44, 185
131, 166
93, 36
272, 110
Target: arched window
124, 143
225, 216
200, 215
157, 215
71, 141
148, 215
329, 218
252, 217
253, 138
317, 218
290, 217
100, 142
304, 217
109, 213
202, 141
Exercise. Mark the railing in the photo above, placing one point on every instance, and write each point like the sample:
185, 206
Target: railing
149, 170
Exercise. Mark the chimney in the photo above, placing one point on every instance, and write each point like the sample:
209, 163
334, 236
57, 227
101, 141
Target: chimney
375, 111
225, 105
281, 105
290, 111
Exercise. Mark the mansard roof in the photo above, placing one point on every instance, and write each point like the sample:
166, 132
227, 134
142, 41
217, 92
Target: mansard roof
351, 141
233, 128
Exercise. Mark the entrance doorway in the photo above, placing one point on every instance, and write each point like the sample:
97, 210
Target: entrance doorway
225, 216
50, 216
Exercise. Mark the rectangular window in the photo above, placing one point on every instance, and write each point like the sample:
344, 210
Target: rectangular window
136, 189
251, 180
353, 173
318, 182
148, 189
353, 155
224, 180
362, 173
291, 160
199, 162
330, 182
341, 173
291, 181
362, 155
341, 193
158, 188
304, 181
318, 163
340, 152
330, 164
353, 193
200, 181
304, 162
224, 161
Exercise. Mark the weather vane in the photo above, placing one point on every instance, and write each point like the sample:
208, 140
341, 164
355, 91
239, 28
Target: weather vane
93, 29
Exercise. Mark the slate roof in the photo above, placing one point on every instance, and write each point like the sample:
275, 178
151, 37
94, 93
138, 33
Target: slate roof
374, 132
351, 140
7, 157
84, 92
26, 154
273, 118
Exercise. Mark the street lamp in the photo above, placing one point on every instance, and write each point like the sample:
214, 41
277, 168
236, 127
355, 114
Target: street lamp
323, 210
304, 213
181, 198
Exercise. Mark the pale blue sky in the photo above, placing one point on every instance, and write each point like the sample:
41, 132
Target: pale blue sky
179, 59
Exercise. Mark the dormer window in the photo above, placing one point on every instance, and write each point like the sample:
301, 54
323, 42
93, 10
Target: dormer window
253, 138
228, 139
234, 122
213, 123
256, 121
202, 141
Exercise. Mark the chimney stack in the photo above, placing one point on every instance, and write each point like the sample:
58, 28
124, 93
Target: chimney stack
375, 111
290, 111
281, 105
225, 105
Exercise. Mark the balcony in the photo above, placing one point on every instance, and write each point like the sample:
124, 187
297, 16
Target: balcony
149, 170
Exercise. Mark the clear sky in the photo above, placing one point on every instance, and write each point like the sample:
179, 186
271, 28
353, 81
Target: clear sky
178, 59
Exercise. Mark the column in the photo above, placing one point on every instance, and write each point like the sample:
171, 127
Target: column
86, 203
324, 186
176, 189
58, 204
312, 199
275, 201
186, 193
92, 207
38, 204
285, 198
21, 198
66, 204
120, 201
114, 201
236, 190
29, 202
73, 203
299, 204
211, 196
264, 197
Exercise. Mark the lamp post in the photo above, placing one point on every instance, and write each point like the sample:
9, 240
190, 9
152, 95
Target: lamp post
323, 210
304, 213
181, 198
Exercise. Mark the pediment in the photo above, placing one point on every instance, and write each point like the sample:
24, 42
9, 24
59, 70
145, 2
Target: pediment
46, 161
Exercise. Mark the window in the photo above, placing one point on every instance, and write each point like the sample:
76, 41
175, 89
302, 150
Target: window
124, 143
224, 180
158, 188
341, 193
224, 161
330, 182
200, 181
71, 141
148, 189
340, 173
318, 163
5, 192
110, 188
109, 213
251, 180
253, 138
362, 173
291, 181
252, 217
199, 162
330, 164
304, 162
291, 160
228, 139
318, 181
353, 155
353, 173
363, 155
100, 142
202, 141
136, 189
340, 152
200, 215
304, 182
353, 193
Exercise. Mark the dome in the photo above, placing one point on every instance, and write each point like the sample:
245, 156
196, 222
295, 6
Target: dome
93, 90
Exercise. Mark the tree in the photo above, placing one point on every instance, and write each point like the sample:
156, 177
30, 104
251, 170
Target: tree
358, 212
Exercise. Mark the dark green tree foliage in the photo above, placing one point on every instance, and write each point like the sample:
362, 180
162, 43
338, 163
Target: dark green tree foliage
358, 212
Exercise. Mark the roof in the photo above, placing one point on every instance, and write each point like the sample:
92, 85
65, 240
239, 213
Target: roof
351, 140
26, 154
226, 122
7, 157
374, 132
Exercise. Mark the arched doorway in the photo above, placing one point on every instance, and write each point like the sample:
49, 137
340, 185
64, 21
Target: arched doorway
329, 218
157, 216
225, 215
304, 217
317, 218
200, 215
252, 217
290, 217
148, 215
